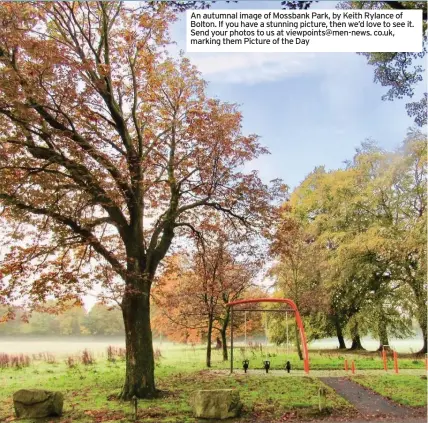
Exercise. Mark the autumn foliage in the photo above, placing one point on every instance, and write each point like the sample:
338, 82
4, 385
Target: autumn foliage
109, 149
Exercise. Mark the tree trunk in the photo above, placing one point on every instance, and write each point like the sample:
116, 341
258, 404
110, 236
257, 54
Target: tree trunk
424, 332
423, 325
297, 334
339, 333
356, 343
139, 379
421, 316
356, 340
210, 329
223, 334
383, 334
224, 343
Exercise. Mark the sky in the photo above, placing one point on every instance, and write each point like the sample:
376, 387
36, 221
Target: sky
310, 109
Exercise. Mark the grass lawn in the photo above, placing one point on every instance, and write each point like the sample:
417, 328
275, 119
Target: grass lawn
320, 360
90, 390
406, 390
87, 388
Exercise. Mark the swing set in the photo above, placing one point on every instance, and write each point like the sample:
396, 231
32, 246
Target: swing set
234, 307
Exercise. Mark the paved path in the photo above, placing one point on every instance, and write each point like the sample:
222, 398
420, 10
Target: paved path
365, 401
345, 420
375, 420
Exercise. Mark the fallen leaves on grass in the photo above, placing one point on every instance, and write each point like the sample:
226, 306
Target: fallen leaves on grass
104, 415
152, 413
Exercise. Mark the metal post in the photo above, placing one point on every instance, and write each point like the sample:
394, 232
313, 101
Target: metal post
245, 327
231, 340
286, 324
266, 333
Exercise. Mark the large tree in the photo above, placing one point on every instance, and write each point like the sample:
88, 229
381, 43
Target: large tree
108, 149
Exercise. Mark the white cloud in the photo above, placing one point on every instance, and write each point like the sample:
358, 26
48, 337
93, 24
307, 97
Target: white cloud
252, 68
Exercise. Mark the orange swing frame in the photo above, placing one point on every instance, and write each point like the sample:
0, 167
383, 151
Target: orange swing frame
272, 300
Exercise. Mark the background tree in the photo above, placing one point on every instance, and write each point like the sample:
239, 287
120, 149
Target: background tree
401, 72
104, 320
368, 224
299, 268
219, 270
108, 148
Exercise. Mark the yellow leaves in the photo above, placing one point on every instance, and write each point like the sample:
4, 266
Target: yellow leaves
146, 21
104, 70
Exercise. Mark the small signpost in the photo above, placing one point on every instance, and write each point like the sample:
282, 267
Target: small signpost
321, 398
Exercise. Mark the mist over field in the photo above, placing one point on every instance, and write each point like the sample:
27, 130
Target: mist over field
64, 345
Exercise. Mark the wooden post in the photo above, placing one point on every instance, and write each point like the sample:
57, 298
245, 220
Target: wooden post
135, 402
353, 367
346, 365
321, 399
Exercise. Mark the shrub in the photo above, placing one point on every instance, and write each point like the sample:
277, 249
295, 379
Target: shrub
14, 360
158, 354
71, 362
87, 358
4, 360
115, 352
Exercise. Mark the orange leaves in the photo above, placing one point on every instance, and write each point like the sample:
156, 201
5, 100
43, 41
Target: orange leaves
104, 70
110, 148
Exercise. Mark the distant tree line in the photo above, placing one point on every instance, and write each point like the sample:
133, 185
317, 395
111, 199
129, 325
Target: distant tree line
100, 320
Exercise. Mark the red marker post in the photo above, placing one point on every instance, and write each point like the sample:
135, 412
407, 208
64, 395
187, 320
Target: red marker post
395, 361
385, 363
346, 365
353, 367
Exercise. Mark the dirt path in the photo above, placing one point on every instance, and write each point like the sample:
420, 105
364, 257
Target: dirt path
364, 400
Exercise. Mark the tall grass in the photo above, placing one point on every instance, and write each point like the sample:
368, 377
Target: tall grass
17, 361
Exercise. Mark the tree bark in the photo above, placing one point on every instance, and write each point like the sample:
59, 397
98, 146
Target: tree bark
299, 348
356, 340
223, 333
356, 343
209, 334
383, 334
424, 333
339, 333
423, 324
224, 344
421, 315
140, 365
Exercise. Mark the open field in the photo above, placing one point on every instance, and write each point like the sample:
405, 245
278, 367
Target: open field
61, 345
90, 390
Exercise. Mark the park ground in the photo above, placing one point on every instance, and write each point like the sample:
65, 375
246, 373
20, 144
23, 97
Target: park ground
90, 390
